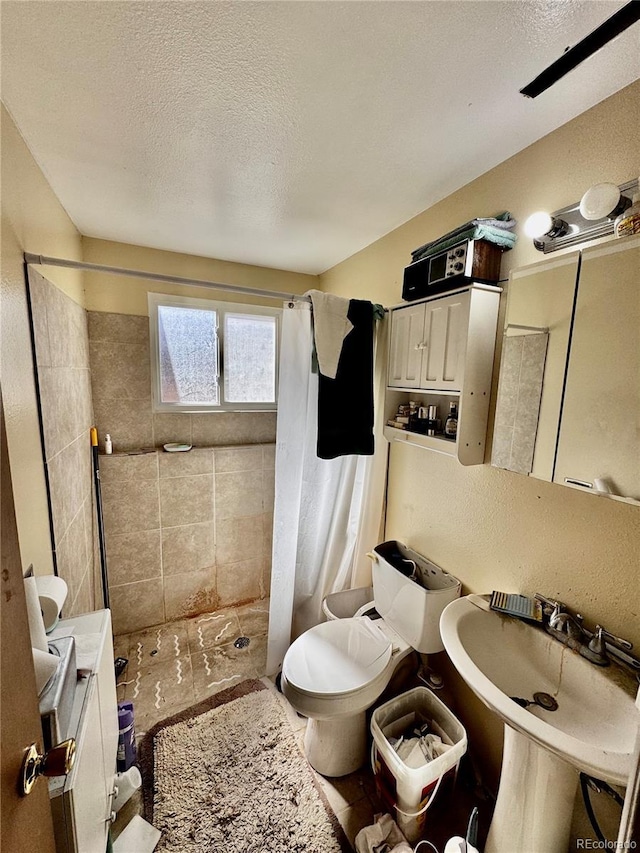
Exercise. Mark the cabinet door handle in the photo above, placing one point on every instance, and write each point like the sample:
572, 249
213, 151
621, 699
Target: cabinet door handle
421, 345
573, 482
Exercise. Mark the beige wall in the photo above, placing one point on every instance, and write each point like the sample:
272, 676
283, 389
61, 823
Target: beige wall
125, 295
32, 220
492, 528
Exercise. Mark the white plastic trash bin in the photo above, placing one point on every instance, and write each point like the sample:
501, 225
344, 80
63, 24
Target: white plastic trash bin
342, 605
411, 791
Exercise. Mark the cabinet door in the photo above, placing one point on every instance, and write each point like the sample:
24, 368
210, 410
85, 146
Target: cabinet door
541, 297
87, 803
600, 426
444, 342
405, 351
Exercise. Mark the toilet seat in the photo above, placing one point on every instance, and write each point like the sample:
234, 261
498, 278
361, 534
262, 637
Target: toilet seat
337, 658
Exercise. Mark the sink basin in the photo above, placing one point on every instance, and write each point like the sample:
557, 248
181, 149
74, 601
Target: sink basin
593, 729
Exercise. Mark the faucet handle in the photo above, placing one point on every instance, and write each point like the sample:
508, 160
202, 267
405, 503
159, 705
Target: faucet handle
597, 643
551, 608
613, 640
549, 603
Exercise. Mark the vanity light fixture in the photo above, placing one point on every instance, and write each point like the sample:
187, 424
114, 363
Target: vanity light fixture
542, 224
592, 217
602, 200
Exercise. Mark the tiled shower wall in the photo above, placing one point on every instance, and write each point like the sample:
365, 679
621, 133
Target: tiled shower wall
64, 384
121, 382
186, 533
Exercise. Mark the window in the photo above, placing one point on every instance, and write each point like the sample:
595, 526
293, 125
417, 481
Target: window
212, 356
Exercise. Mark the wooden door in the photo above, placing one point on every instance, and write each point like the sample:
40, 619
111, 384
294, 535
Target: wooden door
25, 822
405, 351
444, 342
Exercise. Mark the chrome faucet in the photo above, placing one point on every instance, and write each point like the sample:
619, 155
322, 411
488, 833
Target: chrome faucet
595, 647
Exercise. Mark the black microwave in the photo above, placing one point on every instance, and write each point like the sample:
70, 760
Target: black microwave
466, 262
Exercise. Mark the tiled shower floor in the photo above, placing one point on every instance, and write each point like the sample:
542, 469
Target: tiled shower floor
180, 663
175, 665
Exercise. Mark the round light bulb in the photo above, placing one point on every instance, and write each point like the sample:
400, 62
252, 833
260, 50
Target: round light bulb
538, 224
599, 201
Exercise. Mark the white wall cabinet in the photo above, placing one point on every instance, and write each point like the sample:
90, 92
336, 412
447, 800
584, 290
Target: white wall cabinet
81, 801
440, 351
586, 432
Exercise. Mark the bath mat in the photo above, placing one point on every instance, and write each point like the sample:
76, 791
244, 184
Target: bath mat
227, 776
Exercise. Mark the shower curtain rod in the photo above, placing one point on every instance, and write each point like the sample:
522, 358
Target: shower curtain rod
30, 258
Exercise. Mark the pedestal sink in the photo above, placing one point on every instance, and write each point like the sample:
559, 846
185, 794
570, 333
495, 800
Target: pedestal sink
593, 728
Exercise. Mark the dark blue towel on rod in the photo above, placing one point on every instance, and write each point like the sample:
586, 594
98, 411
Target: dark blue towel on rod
345, 404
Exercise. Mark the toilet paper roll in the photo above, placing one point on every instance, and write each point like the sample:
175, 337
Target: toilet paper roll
45, 665
34, 614
52, 592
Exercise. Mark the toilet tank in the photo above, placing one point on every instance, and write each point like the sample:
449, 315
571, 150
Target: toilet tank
410, 593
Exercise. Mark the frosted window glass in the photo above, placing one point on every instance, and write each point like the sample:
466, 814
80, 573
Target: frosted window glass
249, 358
188, 343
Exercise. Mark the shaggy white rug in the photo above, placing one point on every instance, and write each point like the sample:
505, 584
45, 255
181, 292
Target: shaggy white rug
227, 776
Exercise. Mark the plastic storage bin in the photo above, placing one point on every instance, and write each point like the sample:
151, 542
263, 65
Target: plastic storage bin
342, 605
411, 791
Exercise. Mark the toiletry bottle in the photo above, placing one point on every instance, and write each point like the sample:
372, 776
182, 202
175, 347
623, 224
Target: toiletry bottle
629, 220
432, 420
413, 415
451, 423
108, 444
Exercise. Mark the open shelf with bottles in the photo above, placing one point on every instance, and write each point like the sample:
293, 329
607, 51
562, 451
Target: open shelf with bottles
441, 352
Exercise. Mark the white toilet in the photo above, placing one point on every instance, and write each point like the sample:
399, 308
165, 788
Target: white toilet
335, 671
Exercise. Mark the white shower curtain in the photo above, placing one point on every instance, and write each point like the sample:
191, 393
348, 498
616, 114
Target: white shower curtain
327, 511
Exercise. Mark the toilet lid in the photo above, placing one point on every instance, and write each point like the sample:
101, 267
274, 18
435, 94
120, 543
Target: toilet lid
337, 657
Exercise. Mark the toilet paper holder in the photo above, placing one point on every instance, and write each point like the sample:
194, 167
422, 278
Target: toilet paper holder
55, 762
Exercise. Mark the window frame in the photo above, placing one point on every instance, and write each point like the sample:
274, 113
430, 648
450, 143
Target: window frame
158, 300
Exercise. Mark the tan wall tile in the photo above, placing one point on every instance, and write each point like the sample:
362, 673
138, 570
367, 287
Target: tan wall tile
38, 297
171, 428
67, 412
136, 605
268, 456
67, 325
229, 459
187, 548
133, 556
71, 554
130, 506
118, 467
121, 328
268, 489
239, 539
70, 482
199, 460
239, 583
120, 371
128, 422
186, 500
84, 601
190, 594
238, 494
213, 429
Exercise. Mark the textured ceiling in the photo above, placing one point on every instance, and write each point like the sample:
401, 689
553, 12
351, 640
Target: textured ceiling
286, 134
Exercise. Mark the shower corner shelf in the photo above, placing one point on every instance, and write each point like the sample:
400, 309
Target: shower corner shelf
441, 351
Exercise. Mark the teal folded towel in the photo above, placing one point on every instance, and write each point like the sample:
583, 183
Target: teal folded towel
496, 230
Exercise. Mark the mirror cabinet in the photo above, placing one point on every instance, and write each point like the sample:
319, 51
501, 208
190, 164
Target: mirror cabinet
568, 408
